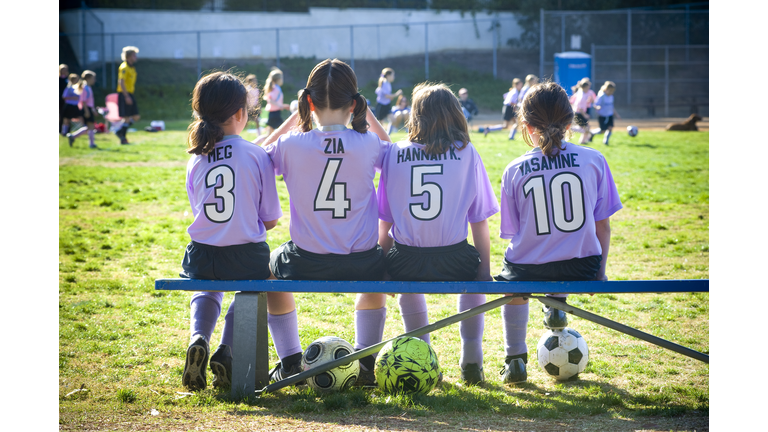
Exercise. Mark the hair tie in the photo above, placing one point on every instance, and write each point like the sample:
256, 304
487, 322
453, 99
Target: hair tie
306, 90
356, 95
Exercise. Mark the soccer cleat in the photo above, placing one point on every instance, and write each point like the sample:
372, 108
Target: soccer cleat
555, 319
93, 146
472, 373
123, 141
221, 366
367, 378
485, 133
71, 139
193, 377
278, 373
514, 371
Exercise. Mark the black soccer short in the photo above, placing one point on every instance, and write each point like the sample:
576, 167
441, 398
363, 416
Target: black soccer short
90, 119
71, 112
567, 270
581, 119
508, 112
605, 122
289, 261
456, 262
125, 110
275, 119
249, 261
382, 111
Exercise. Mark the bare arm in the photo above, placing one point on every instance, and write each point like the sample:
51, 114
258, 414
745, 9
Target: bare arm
376, 126
481, 237
385, 241
284, 128
270, 224
603, 229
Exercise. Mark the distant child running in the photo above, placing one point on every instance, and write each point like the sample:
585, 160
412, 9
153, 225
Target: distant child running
581, 100
431, 187
329, 173
273, 94
231, 189
556, 204
384, 95
71, 99
605, 110
530, 81
87, 108
127, 106
508, 109
254, 102
400, 114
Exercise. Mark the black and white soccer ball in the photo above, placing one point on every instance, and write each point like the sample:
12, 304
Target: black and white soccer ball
326, 349
563, 354
632, 131
407, 365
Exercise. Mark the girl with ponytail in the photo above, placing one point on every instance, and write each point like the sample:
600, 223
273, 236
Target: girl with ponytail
556, 203
329, 172
234, 202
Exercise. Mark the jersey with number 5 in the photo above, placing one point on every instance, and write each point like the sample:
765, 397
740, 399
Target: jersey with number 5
329, 176
430, 199
231, 191
549, 205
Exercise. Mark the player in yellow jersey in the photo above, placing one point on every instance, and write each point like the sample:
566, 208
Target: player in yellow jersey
126, 83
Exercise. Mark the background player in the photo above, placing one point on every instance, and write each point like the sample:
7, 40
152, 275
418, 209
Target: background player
234, 201
329, 174
425, 204
273, 94
126, 85
469, 108
581, 101
530, 81
87, 108
508, 109
605, 110
252, 85
384, 96
400, 114
556, 201
70, 98
63, 84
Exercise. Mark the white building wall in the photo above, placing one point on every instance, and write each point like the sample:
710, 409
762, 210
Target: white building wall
397, 34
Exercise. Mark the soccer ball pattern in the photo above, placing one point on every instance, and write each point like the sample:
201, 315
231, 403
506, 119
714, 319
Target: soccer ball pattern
407, 365
563, 353
326, 349
632, 130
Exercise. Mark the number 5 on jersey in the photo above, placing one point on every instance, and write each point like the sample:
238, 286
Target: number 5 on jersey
332, 196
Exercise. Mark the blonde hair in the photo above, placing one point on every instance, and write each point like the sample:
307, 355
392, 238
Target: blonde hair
436, 119
531, 79
275, 75
251, 79
515, 82
62, 67
128, 50
73, 78
607, 85
384, 74
547, 109
84, 80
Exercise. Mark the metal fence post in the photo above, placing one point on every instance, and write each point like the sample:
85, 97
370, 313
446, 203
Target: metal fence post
541, 43
277, 47
82, 39
352, 46
114, 65
495, 42
687, 30
199, 54
592, 72
629, 56
666, 81
426, 51
378, 42
103, 60
562, 32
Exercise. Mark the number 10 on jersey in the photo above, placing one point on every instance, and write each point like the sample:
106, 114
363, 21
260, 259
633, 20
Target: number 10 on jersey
332, 196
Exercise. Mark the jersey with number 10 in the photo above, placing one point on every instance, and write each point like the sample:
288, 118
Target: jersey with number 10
329, 176
430, 198
549, 205
231, 191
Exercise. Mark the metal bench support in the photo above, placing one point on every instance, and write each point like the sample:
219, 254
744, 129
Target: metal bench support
250, 362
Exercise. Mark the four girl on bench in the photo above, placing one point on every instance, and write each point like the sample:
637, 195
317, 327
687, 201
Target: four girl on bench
556, 201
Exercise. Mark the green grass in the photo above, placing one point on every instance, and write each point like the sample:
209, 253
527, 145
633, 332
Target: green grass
123, 214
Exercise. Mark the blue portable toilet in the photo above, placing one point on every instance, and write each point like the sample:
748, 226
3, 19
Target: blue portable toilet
571, 67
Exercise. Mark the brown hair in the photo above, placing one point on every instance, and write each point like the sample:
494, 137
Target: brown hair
83, 77
547, 109
515, 82
216, 98
73, 78
251, 79
332, 84
607, 85
400, 99
384, 74
436, 119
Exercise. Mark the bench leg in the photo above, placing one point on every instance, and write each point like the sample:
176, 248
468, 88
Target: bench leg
250, 362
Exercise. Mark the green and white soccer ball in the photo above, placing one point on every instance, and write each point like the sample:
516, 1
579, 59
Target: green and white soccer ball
407, 365
326, 349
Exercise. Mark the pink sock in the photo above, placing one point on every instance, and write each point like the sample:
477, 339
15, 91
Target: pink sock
471, 330
413, 308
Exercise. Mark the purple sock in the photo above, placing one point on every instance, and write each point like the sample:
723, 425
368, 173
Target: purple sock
92, 137
285, 333
471, 330
515, 321
413, 308
227, 335
369, 327
205, 308
512, 134
64, 129
79, 132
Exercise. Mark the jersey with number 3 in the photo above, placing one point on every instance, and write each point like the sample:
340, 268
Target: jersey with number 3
430, 199
232, 191
549, 205
329, 176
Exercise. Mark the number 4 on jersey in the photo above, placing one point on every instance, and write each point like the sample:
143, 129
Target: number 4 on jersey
332, 196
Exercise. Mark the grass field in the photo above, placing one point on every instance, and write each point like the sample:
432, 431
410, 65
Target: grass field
123, 214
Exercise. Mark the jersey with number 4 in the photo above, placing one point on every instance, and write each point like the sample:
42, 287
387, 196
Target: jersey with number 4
329, 176
430, 199
549, 205
231, 190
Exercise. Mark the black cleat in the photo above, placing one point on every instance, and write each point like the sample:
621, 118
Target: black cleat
514, 371
221, 366
473, 374
555, 319
367, 378
278, 373
193, 377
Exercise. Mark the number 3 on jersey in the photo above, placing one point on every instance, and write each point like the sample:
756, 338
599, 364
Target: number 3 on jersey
332, 196
223, 192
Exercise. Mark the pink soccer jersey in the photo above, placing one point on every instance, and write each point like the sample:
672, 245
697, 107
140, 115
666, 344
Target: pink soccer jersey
275, 99
86, 97
549, 205
231, 191
430, 199
329, 176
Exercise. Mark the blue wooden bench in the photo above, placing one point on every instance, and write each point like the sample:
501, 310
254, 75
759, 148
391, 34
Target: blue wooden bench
250, 365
